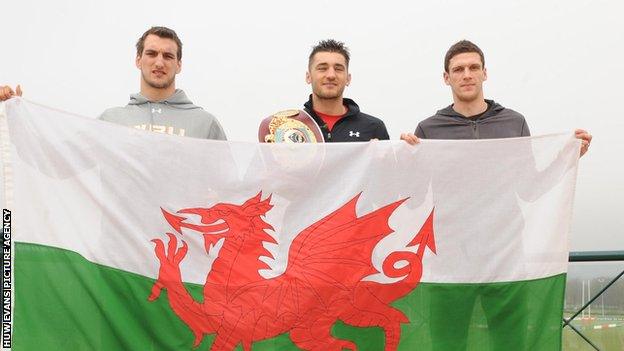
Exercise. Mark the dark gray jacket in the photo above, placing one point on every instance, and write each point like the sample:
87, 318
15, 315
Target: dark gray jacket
496, 122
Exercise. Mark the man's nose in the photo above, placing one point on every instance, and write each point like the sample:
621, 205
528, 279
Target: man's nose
159, 61
331, 73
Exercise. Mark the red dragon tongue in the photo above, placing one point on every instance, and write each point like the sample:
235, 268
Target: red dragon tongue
174, 221
178, 222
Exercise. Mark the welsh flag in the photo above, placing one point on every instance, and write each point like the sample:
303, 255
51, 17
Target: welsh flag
130, 240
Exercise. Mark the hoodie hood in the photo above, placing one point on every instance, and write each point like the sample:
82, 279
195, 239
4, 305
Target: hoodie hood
177, 100
493, 109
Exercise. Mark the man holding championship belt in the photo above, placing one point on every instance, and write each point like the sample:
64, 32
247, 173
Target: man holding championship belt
327, 116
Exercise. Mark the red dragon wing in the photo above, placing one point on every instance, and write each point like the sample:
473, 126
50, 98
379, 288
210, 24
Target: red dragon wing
335, 252
329, 257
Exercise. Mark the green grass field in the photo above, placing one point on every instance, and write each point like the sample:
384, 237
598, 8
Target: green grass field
605, 338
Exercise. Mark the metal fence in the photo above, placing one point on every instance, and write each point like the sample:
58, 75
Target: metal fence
593, 256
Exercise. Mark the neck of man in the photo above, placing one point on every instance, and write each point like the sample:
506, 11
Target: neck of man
470, 108
156, 94
332, 107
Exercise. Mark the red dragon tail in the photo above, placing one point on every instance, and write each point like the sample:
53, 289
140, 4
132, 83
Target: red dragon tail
412, 271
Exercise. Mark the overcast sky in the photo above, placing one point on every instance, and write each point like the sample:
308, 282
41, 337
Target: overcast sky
558, 63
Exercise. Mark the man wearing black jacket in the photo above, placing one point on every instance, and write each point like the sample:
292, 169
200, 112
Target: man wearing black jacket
340, 119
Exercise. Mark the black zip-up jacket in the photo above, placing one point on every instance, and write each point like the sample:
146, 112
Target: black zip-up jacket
354, 126
495, 122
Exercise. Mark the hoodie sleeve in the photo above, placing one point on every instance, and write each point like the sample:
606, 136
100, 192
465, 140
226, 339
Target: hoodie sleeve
103, 115
216, 131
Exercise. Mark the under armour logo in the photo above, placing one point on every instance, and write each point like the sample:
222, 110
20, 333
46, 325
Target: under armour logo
154, 110
355, 134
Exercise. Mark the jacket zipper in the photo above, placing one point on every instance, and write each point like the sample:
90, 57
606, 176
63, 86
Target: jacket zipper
475, 131
340, 121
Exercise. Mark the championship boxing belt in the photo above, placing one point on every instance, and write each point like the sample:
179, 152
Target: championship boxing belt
290, 126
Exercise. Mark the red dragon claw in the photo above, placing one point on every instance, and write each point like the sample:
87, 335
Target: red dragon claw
169, 264
172, 246
344, 345
179, 256
159, 249
199, 336
156, 289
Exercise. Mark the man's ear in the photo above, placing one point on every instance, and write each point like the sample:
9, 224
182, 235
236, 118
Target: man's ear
136, 61
179, 67
308, 80
446, 77
484, 74
348, 79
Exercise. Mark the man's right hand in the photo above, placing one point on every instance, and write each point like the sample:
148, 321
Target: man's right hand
410, 138
6, 92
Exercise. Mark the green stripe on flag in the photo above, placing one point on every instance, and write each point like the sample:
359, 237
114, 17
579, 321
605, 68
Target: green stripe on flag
64, 302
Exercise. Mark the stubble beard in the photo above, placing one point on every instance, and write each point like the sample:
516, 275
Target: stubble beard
158, 85
329, 96
468, 98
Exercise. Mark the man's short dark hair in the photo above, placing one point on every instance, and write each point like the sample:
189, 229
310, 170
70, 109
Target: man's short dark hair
162, 32
461, 47
330, 45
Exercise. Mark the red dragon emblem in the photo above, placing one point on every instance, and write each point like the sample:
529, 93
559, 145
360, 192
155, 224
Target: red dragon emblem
322, 282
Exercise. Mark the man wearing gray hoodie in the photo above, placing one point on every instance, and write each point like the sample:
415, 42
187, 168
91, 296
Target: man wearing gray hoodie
159, 107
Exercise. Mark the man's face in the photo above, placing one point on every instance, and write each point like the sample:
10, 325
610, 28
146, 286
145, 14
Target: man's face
465, 76
328, 74
159, 62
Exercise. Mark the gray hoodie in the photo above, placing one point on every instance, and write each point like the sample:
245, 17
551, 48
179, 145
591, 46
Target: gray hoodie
175, 115
495, 122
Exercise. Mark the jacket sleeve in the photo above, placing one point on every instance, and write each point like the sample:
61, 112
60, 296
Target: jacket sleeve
420, 132
382, 132
525, 128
